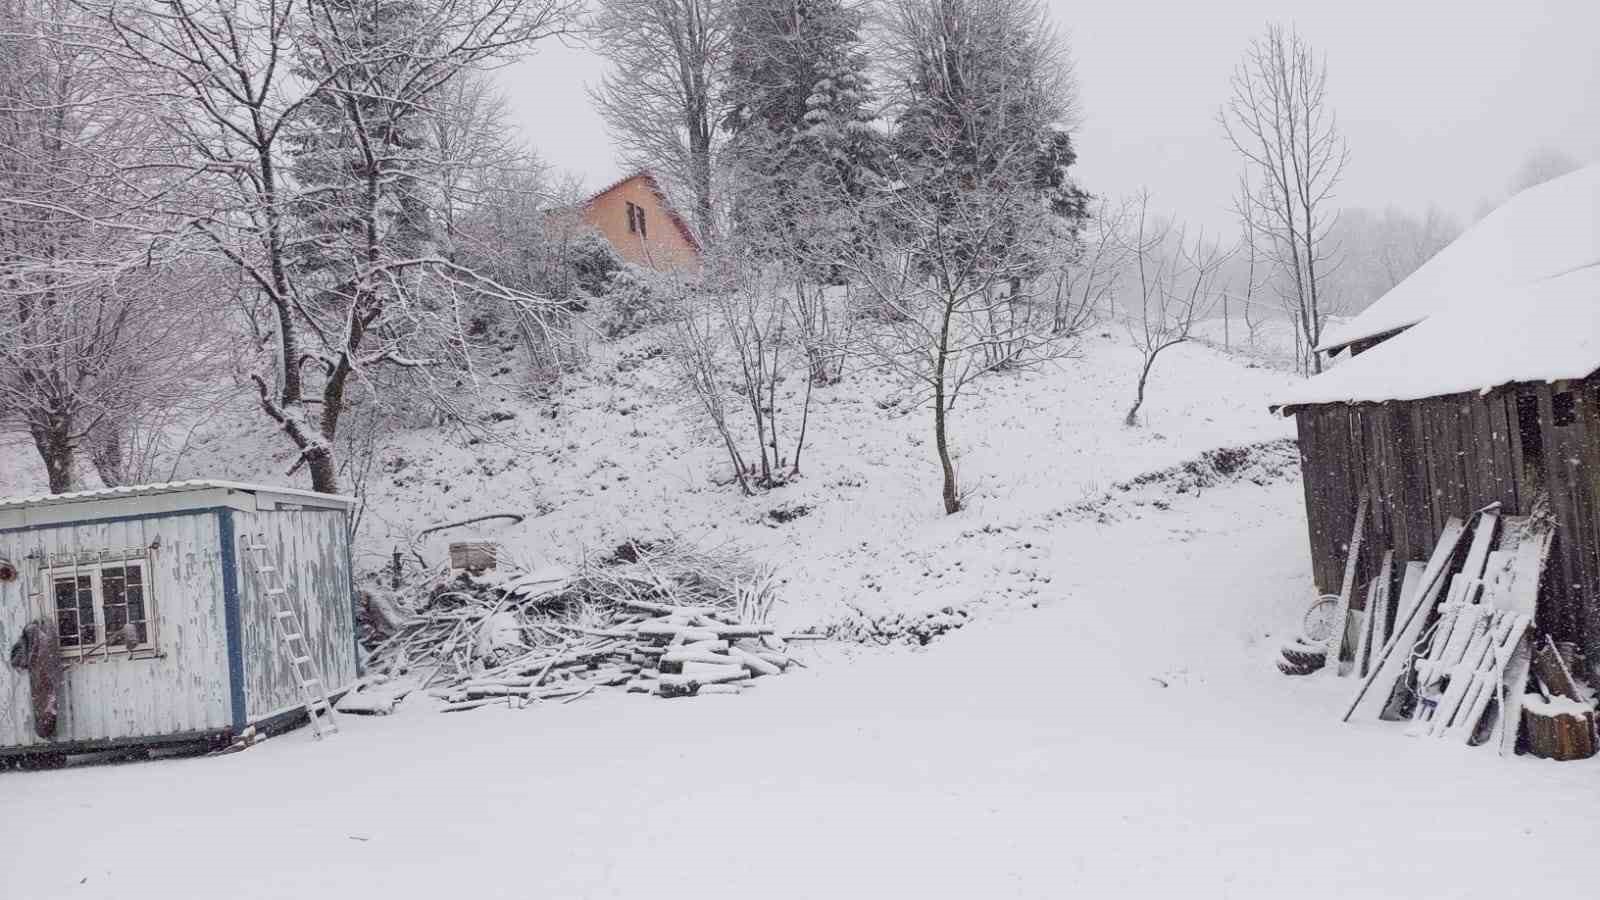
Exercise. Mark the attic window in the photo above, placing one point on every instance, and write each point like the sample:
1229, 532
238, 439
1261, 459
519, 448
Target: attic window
102, 604
1564, 408
635, 220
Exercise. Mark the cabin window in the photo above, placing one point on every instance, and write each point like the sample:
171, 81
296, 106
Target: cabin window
1564, 408
1528, 425
633, 219
102, 604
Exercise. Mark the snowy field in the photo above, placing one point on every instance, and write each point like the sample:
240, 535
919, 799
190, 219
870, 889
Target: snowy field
1128, 736
1112, 720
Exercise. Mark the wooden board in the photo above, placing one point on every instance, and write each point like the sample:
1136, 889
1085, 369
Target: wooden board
1409, 585
1336, 639
1368, 619
1381, 609
1393, 662
1552, 670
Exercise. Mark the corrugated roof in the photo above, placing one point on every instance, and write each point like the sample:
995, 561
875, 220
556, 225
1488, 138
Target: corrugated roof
1545, 331
171, 487
1542, 232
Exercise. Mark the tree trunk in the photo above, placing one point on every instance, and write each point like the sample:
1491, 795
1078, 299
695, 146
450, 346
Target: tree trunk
1132, 419
52, 437
106, 452
952, 499
324, 470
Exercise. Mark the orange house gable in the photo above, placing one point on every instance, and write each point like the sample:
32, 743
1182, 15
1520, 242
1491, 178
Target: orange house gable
634, 217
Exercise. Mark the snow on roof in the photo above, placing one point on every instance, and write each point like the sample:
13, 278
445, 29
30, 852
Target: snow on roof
1541, 232
1548, 330
171, 487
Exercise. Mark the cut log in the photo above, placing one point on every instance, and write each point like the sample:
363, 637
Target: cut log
754, 663
1559, 729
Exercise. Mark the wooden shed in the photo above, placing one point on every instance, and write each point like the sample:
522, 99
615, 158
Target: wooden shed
162, 633
1472, 382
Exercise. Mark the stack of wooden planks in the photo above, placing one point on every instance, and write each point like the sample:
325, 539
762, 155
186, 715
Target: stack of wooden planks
650, 648
1457, 657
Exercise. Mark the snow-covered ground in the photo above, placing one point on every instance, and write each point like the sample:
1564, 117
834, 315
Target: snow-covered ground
1110, 722
1129, 737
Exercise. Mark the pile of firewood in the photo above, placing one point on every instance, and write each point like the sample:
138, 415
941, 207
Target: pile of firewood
666, 619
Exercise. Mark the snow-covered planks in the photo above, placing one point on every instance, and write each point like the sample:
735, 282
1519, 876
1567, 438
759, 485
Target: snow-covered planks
1392, 663
1336, 639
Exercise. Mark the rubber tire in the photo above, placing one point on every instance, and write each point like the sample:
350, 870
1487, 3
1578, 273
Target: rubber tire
1289, 668
1304, 656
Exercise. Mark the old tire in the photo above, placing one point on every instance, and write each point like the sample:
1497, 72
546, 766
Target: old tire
1289, 668
1305, 655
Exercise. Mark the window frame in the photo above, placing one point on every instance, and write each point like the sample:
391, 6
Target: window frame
644, 232
74, 568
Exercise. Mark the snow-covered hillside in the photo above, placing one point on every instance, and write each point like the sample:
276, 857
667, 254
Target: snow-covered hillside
617, 454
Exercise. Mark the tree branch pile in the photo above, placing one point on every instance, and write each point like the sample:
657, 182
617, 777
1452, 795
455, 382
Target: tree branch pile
667, 619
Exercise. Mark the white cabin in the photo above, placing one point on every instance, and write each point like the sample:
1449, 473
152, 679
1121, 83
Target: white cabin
163, 636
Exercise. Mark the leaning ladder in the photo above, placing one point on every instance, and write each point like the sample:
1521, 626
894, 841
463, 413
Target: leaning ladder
291, 633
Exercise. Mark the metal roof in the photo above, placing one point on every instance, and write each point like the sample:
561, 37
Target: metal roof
171, 487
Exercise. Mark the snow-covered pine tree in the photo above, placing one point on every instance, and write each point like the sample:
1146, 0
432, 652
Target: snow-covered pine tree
988, 100
361, 140
800, 112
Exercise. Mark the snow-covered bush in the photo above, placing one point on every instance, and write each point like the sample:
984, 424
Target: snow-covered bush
632, 304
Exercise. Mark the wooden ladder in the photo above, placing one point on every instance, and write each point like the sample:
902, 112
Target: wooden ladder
270, 586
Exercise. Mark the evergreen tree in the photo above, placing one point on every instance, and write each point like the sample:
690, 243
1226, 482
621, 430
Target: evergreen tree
988, 95
800, 114
360, 145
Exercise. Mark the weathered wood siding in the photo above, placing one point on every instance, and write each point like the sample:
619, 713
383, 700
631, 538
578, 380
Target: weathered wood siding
181, 689
1423, 461
312, 552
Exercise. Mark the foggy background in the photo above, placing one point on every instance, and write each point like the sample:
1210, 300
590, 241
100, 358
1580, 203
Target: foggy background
1441, 101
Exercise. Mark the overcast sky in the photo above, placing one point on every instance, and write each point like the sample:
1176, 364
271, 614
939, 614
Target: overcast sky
1440, 99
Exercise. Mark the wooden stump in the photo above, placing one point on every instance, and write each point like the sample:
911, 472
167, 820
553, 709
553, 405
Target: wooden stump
1558, 730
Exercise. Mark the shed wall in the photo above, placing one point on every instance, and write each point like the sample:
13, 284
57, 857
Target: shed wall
313, 553
1425, 461
181, 689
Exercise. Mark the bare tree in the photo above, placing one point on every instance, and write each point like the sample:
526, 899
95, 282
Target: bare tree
102, 336
1252, 267
938, 298
1280, 121
954, 244
1175, 283
735, 350
306, 169
1084, 283
661, 97
1382, 248
1544, 163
